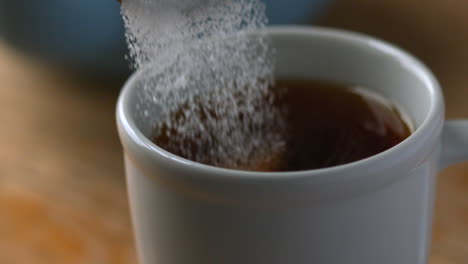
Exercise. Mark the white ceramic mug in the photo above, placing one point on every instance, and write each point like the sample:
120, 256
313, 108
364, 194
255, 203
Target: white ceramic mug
376, 210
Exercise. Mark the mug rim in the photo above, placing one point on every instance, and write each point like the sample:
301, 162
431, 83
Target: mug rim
392, 158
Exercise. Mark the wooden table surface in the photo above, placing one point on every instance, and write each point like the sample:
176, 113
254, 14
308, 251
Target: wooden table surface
62, 191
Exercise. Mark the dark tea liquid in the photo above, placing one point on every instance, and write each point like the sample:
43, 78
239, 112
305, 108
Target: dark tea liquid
326, 124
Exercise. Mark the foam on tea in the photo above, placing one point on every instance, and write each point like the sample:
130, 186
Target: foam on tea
201, 64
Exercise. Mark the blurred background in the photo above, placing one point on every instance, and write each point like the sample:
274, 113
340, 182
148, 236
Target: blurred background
62, 64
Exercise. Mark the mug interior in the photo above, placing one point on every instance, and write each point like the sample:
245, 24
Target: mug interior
334, 55
369, 64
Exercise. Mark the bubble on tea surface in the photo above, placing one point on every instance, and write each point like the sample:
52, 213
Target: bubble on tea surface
206, 78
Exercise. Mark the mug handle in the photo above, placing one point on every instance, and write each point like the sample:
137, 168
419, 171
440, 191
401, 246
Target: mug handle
454, 143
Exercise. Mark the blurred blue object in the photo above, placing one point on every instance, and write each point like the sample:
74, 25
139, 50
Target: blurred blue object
294, 11
88, 35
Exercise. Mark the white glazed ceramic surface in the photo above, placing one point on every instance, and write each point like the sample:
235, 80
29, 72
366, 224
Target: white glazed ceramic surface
376, 210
